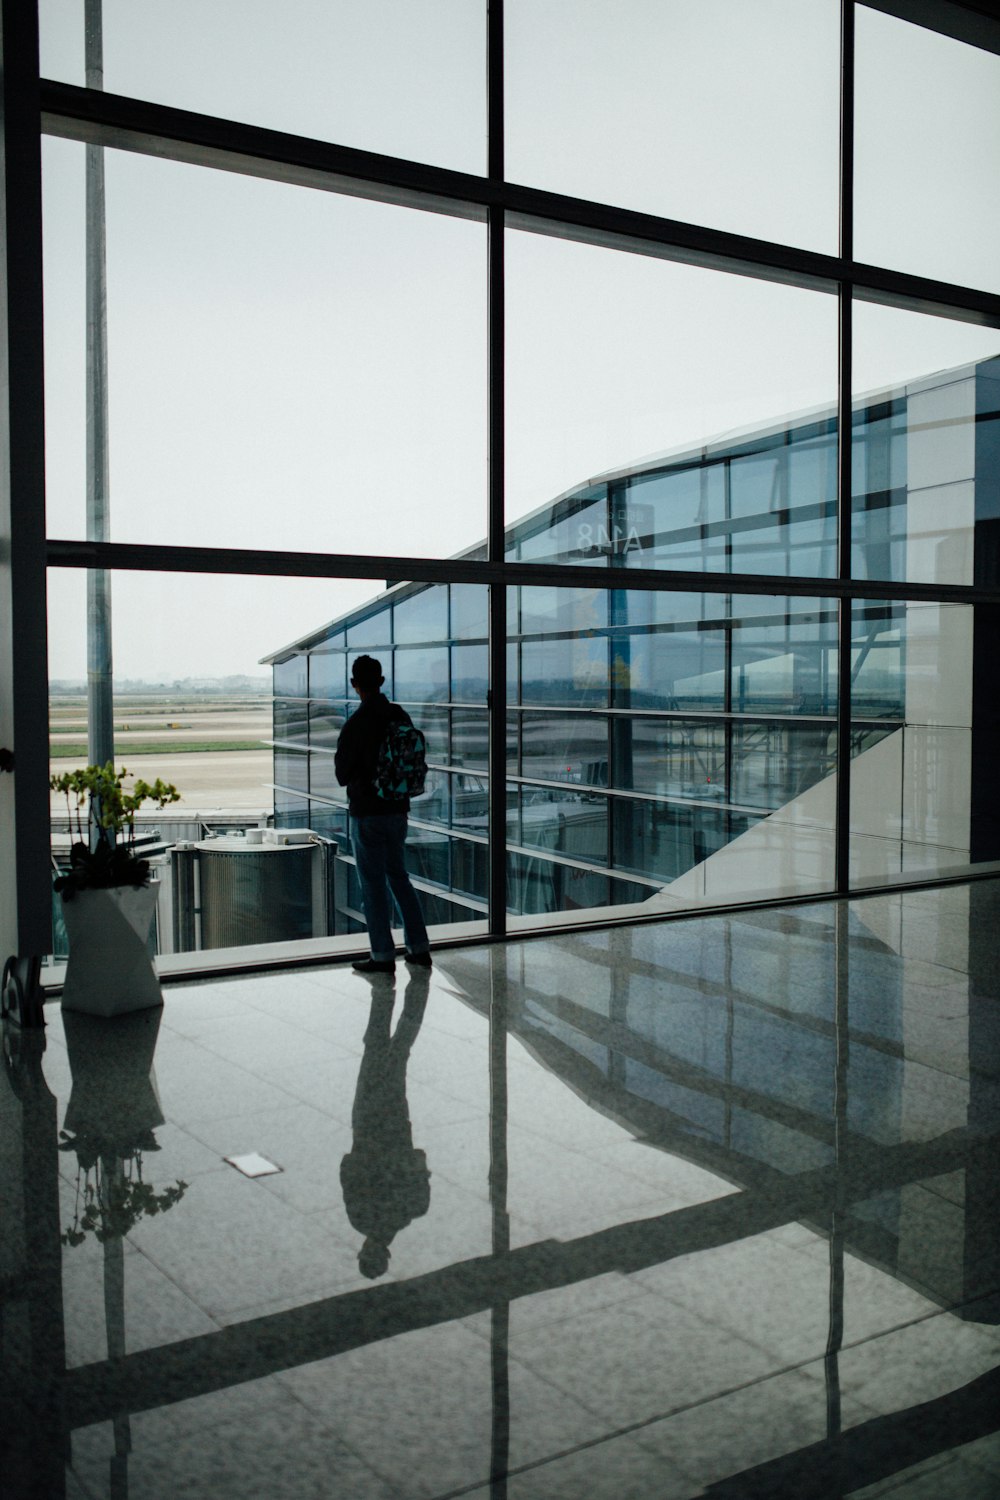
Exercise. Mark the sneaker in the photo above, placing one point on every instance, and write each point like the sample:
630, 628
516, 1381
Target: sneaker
420, 960
374, 966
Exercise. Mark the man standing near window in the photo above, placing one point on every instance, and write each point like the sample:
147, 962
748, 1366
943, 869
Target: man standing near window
379, 825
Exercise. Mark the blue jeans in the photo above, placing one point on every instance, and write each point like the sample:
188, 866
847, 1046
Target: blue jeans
378, 848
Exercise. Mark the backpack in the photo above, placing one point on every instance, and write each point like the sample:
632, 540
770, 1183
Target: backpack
401, 767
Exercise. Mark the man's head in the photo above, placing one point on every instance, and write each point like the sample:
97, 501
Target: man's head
373, 1258
366, 676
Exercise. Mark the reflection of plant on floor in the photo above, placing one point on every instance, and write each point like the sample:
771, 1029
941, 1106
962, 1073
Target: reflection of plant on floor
113, 1194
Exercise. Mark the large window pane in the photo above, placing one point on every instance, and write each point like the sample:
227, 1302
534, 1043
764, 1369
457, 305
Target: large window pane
402, 77
664, 840
668, 756
925, 448
470, 738
704, 112
568, 748
287, 368
328, 672
423, 616
232, 689
730, 383
925, 736
469, 674
927, 152
668, 650
422, 676
469, 612
784, 655
703, 770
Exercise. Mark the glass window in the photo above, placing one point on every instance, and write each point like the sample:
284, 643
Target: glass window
567, 821
341, 353
612, 357
927, 152
422, 675
663, 840
291, 720
878, 660
470, 868
775, 761
290, 677
544, 610
784, 656
327, 673
432, 718
571, 670
669, 667
291, 768
428, 856
469, 611
702, 112
670, 757
401, 77
192, 703
758, 483
536, 885
568, 533
323, 779
331, 822
422, 617
326, 720
568, 748
924, 740
469, 674
372, 632
469, 803
470, 738
925, 455
676, 518
291, 810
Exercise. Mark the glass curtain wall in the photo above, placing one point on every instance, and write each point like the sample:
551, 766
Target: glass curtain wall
667, 504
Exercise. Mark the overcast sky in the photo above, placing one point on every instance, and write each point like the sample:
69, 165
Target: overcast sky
297, 369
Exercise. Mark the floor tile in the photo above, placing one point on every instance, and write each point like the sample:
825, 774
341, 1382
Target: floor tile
615, 1280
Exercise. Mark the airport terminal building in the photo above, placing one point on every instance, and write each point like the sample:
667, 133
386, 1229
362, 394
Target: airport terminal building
669, 748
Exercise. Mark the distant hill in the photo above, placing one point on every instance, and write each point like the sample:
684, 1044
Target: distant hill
191, 685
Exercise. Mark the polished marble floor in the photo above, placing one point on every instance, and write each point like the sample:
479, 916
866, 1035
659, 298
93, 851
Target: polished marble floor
702, 1207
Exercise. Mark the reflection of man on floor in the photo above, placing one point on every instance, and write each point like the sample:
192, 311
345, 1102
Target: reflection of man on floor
385, 1178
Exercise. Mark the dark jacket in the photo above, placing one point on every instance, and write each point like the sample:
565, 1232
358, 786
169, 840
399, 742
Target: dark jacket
357, 755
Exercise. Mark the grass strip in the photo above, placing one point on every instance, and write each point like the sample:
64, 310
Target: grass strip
60, 751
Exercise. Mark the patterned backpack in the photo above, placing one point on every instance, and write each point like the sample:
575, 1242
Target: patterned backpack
401, 767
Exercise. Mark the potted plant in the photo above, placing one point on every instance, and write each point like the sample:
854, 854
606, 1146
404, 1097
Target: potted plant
108, 898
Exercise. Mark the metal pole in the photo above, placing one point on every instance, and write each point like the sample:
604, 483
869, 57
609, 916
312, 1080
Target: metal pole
497, 779
845, 437
100, 704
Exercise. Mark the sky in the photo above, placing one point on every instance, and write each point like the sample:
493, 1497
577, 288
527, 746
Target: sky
298, 369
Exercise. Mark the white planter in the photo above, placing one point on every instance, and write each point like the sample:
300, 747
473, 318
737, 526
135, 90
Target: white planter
109, 969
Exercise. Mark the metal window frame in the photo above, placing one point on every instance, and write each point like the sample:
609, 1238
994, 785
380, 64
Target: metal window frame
35, 107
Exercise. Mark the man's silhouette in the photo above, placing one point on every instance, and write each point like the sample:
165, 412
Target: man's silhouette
378, 825
384, 1177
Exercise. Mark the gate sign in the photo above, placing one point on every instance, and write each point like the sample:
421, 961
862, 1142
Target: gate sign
631, 529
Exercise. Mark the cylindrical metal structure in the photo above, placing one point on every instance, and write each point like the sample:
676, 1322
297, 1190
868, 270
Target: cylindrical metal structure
259, 894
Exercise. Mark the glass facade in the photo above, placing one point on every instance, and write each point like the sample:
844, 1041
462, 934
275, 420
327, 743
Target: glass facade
676, 747
402, 364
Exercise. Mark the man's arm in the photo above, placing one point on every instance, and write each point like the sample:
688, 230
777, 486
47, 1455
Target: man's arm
345, 754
